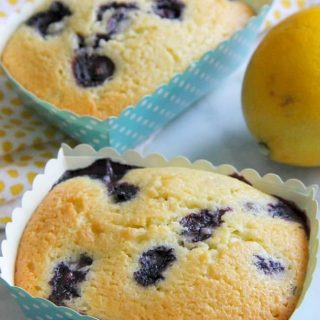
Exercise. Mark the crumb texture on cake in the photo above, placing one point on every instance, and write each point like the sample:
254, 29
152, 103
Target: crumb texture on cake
180, 244
96, 57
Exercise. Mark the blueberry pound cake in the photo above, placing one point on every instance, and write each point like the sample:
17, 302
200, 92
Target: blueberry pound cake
119, 242
96, 57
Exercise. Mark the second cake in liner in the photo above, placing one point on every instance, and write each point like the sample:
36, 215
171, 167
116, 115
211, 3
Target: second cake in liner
182, 229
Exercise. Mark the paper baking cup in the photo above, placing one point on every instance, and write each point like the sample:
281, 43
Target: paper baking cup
83, 156
136, 123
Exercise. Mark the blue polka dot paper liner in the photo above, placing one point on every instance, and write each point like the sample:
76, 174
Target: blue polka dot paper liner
136, 123
84, 155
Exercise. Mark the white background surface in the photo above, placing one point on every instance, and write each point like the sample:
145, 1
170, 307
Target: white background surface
214, 129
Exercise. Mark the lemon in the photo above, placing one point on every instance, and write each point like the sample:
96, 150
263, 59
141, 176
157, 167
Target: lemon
281, 90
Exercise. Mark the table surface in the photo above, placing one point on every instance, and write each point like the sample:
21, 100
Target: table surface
214, 129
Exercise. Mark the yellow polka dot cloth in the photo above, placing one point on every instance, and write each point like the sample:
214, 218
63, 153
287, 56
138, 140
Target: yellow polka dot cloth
283, 8
26, 143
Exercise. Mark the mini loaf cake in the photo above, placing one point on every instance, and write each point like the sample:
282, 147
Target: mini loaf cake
119, 242
96, 57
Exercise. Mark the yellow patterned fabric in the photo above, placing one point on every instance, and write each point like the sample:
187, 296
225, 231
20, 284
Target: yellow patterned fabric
26, 143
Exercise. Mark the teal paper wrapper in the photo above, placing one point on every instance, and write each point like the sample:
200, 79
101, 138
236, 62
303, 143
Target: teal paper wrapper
135, 124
